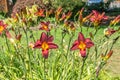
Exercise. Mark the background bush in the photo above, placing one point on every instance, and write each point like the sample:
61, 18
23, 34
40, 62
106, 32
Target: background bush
66, 4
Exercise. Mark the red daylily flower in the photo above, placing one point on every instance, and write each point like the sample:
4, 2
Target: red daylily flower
66, 23
115, 21
15, 17
81, 13
97, 18
82, 44
83, 19
49, 12
11, 38
8, 35
57, 13
68, 15
107, 56
45, 43
109, 31
40, 13
72, 27
45, 26
62, 17
69, 25
2, 26
18, 37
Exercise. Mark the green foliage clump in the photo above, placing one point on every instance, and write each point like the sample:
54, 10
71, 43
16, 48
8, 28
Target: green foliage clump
67, 4
2, 15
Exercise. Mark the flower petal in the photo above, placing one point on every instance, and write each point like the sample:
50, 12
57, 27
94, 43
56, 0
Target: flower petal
48, 22
105, 17
44, 26
50, 38
75, 45
109, 54
45, 53
81, 37
45, 23
18, 37
52, 45
8, 34
96, 13
89, 43
83, 53
37, 44
43, 37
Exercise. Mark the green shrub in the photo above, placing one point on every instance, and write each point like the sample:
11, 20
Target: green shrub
2, 15
67, 4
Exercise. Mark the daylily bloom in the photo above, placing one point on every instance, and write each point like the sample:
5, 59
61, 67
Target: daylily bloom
13, 39
81, 13
83, 19
103, 62
69, 26
68, 15
97, 18
82, 44
62, 17
109, 31
72, 27
115, 21
45, 26
49, 12
66, 23
57, 13
40, 13
14, 17
45, 43
107, 56
2, 26
18, 37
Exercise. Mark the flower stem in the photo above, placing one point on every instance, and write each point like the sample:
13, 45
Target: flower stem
63, 36
99, 68
44, 70
32, 35
81, 28
55, 29
114, 41
82, 67
69, 44
7, 43
76, 16
21, 57
96, 52
28, 51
